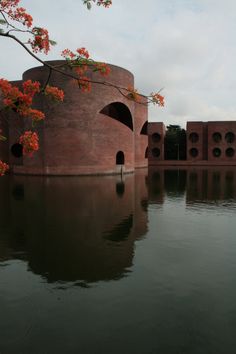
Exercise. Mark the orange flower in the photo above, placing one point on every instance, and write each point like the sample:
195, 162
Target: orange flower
29, 141
3, 168
158, 99
54, 93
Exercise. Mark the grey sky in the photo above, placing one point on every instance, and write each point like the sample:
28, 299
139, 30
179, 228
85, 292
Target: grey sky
186, 46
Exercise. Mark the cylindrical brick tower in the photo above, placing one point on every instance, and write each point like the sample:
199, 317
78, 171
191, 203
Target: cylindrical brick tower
90, 133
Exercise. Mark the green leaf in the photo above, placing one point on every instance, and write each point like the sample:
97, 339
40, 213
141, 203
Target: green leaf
3, 22
89, 6
52, 42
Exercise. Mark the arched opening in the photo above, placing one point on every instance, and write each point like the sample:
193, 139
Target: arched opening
156, 152
146, 153
216, 152
193, 137
193, 152
144, 129
120, 112
217, 137
230, 137
229, 152
17, 150
120, 158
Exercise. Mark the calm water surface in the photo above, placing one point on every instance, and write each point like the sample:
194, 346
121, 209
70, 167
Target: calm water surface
142, 265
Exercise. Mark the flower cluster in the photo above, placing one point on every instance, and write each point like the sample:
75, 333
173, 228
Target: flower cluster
19, 14
79, 60
82, 63
40, 40
83, 53
19, 101
158, 99
68, 54
105, 3
102, 68
12, 12
84, 84
54, 92
3, 168
31, 87
35, 115
30, 142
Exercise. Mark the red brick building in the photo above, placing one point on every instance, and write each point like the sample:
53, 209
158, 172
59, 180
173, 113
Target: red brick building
207, 143
96, 133
103, 132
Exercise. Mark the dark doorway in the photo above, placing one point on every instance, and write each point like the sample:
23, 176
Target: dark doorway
120, 158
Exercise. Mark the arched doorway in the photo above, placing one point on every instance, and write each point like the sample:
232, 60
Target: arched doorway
120, 158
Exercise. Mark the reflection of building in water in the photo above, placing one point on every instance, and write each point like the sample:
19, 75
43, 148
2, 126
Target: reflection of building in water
211, 184
75, 229
156, 192
163, 182
140, 203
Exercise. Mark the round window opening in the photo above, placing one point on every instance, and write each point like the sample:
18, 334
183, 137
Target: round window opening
156, 137
229, 152
229, 137
194, 137
217, 137
17, 150
193, 152
156, 152
216, 152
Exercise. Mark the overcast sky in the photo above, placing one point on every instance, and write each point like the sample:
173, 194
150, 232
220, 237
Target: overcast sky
187, 47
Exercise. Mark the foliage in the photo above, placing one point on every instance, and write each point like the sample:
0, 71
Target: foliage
175, 143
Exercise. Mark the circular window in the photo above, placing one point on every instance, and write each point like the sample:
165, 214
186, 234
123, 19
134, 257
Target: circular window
229, 152
194, 137
17, 150
216, 152
156, 152
156, 137
193, 152
217, 137
229, 137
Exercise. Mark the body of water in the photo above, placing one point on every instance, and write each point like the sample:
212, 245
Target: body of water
103, 265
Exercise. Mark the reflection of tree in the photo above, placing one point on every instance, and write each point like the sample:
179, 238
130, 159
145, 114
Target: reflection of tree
175, 182
74, 229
